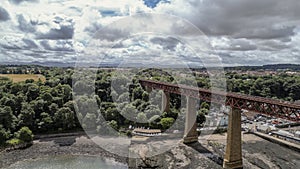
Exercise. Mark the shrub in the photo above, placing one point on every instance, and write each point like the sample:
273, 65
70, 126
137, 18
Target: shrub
14, 142
129, 133
3, 136
166, 122
25, 134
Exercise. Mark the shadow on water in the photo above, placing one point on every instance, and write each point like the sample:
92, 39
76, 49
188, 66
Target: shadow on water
200, 149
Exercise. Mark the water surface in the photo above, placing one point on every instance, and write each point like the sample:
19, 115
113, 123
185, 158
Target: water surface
69, 162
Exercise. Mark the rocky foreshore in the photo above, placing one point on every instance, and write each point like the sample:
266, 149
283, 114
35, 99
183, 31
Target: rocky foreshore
207, 153
71, 145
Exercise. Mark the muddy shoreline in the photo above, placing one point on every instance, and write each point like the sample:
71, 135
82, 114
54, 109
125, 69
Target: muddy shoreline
69, 145
257, 153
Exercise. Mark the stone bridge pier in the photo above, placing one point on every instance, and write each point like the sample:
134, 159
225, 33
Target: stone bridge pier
190, 131
165, 105
233, 153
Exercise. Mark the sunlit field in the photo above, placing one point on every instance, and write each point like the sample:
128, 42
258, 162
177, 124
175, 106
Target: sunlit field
23, 77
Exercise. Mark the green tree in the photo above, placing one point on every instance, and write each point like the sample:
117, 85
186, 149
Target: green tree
64, 118
154, 121
201, 116
33, 92
166, 122
4, 135
205, 105
151, 111
53, 108
204, 111
145, 96
141, 118
46, 122
47, 97
138, 93
7, 118
124, 97
38, 107
25, 134
10, 102
113, 124
89, 121
20, 99
129, 111
67, 93
26, 117
112, 113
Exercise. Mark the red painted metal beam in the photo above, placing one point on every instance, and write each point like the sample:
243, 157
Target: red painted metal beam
270, 107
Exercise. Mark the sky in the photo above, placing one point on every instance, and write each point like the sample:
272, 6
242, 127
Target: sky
236, 32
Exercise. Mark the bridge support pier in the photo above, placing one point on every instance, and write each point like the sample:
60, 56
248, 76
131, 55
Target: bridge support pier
165, 106
190, 131
233, 155
148, 89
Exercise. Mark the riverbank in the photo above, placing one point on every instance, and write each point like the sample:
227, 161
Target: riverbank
257, 152
208, 153
69, 145
290, 145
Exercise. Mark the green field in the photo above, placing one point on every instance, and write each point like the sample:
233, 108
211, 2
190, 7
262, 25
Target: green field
24, 77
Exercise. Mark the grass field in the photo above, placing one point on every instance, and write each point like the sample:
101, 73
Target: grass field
23, 77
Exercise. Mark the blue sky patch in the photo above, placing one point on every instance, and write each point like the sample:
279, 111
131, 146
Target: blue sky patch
151, 3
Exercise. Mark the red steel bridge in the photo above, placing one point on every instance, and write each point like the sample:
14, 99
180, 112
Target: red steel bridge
270, 107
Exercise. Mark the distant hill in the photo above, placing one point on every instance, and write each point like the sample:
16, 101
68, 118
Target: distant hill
282, 66
295, 67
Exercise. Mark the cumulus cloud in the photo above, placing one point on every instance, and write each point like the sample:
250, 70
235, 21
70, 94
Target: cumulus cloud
111, 34
49, 27
60, 45
59, 28
26, 24
17, 42
233, 44
236, 17
238, 31
4, 15
168, 43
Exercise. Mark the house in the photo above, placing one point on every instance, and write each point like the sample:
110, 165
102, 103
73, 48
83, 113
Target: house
297, 134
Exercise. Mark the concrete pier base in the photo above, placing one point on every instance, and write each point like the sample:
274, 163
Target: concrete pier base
165, 106
190, 132
233, 155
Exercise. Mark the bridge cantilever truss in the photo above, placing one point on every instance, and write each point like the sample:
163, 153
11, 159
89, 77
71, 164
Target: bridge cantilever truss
270, 107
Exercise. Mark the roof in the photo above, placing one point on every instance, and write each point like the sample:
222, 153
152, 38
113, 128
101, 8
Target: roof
263, 127
148, 131
283, 133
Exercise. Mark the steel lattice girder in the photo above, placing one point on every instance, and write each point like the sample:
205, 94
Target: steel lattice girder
270, 107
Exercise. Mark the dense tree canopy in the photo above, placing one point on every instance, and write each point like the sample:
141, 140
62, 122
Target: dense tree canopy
114, 100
